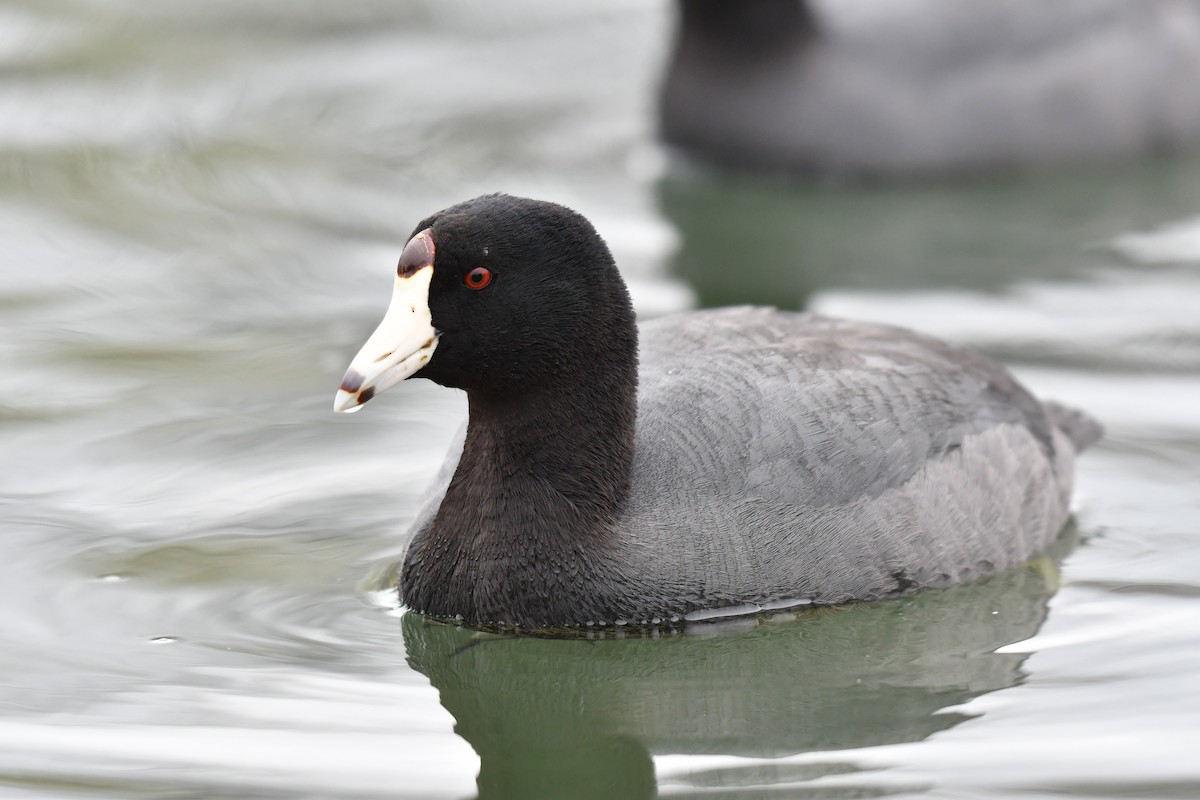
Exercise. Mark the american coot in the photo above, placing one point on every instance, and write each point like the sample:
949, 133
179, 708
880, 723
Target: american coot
920, 88
756, 459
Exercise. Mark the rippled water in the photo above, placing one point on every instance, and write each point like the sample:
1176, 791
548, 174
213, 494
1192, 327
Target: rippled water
200, 204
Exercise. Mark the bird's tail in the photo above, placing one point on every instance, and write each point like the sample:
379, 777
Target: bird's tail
1080, 427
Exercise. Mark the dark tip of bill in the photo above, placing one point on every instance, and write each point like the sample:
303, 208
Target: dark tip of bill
366, 395
352, 381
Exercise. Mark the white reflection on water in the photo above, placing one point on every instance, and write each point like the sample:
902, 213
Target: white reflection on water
1174, 243
1140, 321
268, 728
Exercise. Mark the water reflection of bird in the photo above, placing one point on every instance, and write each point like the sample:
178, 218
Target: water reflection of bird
546, 716
887, 89
716, 462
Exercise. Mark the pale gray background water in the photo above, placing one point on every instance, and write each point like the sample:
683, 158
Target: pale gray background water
201, 202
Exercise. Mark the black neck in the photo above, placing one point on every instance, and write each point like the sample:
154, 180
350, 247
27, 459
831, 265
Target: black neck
543, 474
577, 447
747, 28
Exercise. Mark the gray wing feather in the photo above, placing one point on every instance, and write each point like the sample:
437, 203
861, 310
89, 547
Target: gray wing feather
820, 458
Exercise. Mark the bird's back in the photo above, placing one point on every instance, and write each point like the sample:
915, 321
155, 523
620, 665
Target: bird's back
790, 455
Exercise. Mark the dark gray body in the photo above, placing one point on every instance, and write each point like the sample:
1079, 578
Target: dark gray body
893, 88
783, 456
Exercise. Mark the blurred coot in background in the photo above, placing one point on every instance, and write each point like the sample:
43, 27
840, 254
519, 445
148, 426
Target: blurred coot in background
931, 88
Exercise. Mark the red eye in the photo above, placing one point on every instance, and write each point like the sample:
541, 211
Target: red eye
478, 278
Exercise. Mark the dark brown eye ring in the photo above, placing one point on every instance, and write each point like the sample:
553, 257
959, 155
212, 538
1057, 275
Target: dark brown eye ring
478, 278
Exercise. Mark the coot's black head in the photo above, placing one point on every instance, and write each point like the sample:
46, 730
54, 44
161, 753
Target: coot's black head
498, 295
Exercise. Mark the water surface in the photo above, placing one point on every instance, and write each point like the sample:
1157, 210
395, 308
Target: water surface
200, 207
